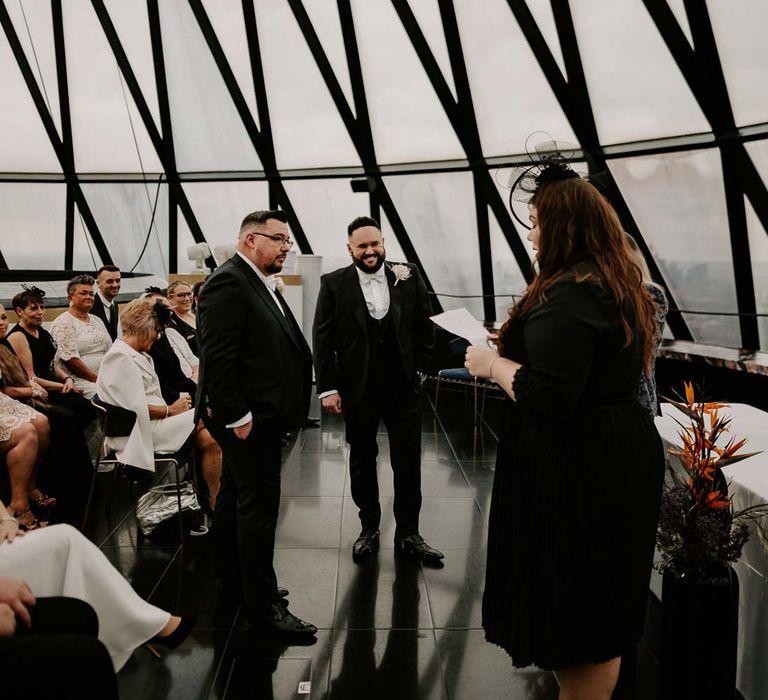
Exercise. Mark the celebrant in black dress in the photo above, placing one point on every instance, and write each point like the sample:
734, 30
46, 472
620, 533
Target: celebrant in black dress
580, 465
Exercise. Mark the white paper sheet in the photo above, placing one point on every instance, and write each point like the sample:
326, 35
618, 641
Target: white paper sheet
462, 323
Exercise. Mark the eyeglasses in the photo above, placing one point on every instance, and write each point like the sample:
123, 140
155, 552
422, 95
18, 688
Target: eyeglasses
282, 242
182, 295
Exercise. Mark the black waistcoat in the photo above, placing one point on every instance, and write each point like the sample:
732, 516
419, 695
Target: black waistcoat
385, 368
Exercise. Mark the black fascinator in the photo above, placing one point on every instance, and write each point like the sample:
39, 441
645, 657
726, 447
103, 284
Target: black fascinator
550, 162
34, 290
162, 313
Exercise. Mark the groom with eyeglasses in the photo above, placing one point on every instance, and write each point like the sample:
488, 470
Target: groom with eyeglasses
372, 335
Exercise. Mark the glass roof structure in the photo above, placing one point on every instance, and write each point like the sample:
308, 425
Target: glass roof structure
132, 129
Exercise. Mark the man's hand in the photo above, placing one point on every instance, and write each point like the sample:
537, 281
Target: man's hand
331, 404
7, 621
16, 594
243, 431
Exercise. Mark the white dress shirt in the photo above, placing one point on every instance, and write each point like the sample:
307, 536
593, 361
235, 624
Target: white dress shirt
248, 417
376, 294
107, 305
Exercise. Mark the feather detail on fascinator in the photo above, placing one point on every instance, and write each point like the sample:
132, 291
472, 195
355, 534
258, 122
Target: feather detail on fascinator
33, 289
550, 162
162, 313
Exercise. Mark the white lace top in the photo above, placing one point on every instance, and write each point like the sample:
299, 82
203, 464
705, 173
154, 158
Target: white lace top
85, 340
13, 414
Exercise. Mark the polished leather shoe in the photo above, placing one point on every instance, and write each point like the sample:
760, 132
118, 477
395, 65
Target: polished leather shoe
415, 546
278, 621
365, 545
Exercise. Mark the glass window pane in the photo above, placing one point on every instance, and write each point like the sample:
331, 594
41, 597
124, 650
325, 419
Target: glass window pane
33, 23
408, 121
32, 234
438, 211
207, 130
512, 98
758, 250
25, 145
679, 205
739, 29
636, 89
123, 213
507, 278
107, 131
306, 126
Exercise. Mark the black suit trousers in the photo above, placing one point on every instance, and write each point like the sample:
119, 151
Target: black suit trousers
246, 512
401, 413
59, 656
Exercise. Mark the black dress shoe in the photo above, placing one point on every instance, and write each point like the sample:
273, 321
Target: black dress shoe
415, 546
278, 621
175, 638
365, 545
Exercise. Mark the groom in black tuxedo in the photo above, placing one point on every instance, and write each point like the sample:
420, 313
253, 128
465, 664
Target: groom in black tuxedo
372, 334
255, 384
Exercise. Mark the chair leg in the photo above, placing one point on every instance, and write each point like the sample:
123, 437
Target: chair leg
178, 500
89, 502
474, 432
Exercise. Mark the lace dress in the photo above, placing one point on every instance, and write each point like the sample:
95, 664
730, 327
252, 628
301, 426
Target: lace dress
84, 340
13, 414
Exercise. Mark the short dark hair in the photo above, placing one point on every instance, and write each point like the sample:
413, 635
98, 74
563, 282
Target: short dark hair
80, 279
361, 221
261, 216
23, 299
107, 268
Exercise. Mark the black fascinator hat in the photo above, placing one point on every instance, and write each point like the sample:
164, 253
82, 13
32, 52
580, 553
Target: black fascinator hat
550, 162
162, 313
33, 290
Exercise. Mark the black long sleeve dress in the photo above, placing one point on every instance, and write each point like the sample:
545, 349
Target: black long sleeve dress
577, 488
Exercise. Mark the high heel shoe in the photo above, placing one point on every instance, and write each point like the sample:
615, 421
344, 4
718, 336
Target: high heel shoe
175, 638
42, 505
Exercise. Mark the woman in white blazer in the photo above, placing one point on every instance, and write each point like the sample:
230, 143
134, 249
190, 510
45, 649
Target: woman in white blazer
127, 378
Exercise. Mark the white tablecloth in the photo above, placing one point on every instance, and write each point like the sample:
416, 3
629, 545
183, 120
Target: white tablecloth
748, 486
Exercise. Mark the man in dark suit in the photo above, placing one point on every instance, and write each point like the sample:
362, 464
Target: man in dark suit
372, 334
105, 304
255, 384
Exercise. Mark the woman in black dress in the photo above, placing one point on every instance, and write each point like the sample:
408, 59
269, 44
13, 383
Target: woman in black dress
580, 465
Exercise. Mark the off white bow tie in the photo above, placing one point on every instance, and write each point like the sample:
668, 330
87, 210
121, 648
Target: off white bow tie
370, 279
272, 282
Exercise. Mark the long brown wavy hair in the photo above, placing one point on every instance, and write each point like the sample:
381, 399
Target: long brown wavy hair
580, 232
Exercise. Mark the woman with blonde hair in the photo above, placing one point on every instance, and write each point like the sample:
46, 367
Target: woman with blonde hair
181, 298
580, 465
127, 378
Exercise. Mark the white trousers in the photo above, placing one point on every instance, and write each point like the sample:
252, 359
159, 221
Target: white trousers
59, 561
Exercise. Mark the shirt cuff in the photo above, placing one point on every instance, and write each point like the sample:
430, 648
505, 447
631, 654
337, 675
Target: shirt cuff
331, 392
245, 419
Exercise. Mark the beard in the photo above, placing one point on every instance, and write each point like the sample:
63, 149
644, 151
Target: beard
360, 263
275, 266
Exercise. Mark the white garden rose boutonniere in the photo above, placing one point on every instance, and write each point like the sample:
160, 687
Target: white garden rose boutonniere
280, 285
401, 272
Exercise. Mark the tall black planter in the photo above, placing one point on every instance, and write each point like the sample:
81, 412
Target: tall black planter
699, 628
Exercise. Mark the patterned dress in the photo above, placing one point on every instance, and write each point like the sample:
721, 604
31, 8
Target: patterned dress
13, 414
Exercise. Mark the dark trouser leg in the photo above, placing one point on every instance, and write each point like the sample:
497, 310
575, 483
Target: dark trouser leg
362, 423
225, 517
403, 420
59, 656
253, 467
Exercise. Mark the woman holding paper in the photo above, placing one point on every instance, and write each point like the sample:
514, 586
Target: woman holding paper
580, 464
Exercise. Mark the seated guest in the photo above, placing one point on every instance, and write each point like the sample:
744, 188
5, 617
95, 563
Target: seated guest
105, 301
180, 296
23, 442
35, 348
128, 378
175, 363
81, 337
59, 561
646, 390
66, 435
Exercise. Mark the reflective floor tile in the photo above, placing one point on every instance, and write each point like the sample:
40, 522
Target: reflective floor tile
315, 474
380, 592
310, 576
186, 673
473, 668
452, 523
309, 522
385, 665
143, 567
456, 591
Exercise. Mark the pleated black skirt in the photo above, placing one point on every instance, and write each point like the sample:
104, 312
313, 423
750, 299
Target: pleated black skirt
571, 533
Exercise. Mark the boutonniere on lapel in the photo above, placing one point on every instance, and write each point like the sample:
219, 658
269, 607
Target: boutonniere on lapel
401, 272
280, 285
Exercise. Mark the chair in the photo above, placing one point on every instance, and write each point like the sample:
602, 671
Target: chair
116, 421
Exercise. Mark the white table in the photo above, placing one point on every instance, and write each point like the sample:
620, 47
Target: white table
748, 486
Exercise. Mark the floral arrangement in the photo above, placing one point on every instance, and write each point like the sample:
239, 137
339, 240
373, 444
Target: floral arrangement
699, 531
401, 272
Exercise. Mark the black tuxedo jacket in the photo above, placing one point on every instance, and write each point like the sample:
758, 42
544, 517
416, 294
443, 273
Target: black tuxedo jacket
252, 357
98, 310
340, 331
